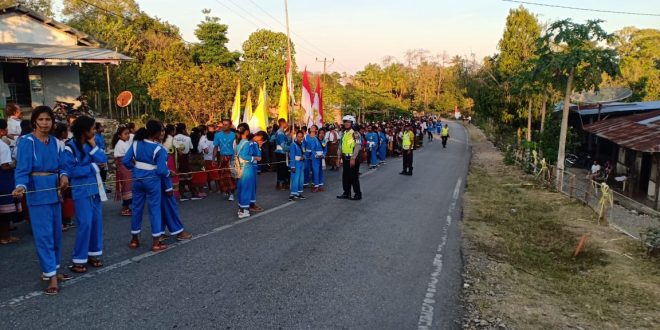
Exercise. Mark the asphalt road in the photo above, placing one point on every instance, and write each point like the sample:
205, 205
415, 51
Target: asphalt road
390, 261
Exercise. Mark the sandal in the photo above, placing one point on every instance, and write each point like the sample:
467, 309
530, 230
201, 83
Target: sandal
183, 236
60, 277
158, 247
9, 240
126, 213
134, 244
78, 268
163, 238
51, 291
95, 262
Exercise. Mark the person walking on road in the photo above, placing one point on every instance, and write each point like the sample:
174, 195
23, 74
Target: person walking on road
223, 150
445, 135
349, 151
407, 143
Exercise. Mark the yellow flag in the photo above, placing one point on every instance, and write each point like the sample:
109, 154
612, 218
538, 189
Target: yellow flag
247, 114
236, 109
258, 121
283, 111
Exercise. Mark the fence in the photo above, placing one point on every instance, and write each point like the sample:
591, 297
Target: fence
620, 212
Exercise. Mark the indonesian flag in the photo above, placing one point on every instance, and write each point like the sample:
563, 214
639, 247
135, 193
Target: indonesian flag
306, 100
318, 103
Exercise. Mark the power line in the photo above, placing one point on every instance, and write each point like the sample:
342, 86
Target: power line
582, 9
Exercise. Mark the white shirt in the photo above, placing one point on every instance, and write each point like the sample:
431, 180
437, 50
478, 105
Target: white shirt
5, 154
595, 168
121, 148
13, 127
331, 136
183, 143
205, 147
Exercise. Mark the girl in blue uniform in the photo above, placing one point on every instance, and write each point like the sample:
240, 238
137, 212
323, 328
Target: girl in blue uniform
170, 212
39, 170
308, 139
372, 146
382, 146
316, 158
81, 156
148, 161
256, 153
321, 154
296, 164
247, 184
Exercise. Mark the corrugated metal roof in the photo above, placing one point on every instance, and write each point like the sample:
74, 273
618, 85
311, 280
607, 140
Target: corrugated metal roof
59, 53
586, 110
639, 132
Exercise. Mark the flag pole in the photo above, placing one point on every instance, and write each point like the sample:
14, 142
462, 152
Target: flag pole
288, 39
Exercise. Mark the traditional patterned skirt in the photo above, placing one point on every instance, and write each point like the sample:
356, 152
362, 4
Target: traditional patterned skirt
171, 164
211, 170
183, 164
8, 205
67, 204
123, 186
227, 182
199, 177
332, 158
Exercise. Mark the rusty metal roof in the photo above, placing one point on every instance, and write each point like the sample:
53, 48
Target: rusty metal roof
639, 132
59, 54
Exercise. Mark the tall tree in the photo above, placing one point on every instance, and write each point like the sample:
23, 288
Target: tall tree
212, 46
574, 54
44, 7
640, 52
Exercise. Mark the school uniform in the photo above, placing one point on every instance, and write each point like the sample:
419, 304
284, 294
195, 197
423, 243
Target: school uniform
246, 186
171, 220
282, 143
296, 161
317, 153
382, 146
148, 162
88, 192
308, 140
372, 147
39, 168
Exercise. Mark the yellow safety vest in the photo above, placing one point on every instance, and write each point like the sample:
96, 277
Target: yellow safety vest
347, 143
445, 131
407, 140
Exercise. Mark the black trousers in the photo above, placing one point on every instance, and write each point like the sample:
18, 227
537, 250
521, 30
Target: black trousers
407, 160
350, 177
444, 141
282, 169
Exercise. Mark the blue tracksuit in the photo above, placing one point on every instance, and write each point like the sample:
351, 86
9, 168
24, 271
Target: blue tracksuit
296, 161
168, 208
148, 162
85, 181
372, 147
438, 127
306, 146
382, 147
316, 162
38, 167
246, 186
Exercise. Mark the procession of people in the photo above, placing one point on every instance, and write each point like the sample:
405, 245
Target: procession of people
52, 172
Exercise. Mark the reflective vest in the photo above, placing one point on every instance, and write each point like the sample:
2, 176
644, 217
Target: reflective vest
347, 143
445, 131
407, 140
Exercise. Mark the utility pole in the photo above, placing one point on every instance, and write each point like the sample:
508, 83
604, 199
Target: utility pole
288, 39
325, 64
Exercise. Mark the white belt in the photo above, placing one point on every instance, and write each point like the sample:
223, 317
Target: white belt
99, 183
298, 157
145, 166
279, 147
319, 153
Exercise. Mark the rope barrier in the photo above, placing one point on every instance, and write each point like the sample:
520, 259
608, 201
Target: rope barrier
147, 178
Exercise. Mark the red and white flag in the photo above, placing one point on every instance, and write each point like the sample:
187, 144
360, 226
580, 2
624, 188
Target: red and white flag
306, 100
318, 103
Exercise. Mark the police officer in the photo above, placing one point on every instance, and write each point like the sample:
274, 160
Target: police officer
349, 151
407, 145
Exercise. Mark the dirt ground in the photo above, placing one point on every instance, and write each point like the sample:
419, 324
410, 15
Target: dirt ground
520, 273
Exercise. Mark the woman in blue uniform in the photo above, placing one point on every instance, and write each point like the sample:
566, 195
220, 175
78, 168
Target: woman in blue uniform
170, 212
372, 146
316, 158
308, 139
321, 154
81, 156
296, 163
148, 161
39, 170
247, 156
382, 147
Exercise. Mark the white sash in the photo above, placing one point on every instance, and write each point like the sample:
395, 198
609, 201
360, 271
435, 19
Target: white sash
99, 183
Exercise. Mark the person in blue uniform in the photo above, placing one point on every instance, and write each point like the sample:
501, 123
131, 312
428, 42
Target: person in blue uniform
308, 140
320, 156
248, 157
315, 158
296, 164
281, 142
100, 142
39, 170
148, 161
257, 157
372, 146
81, 158
382, 144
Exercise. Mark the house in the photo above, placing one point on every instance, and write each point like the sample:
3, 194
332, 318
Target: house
632, 142
40, 58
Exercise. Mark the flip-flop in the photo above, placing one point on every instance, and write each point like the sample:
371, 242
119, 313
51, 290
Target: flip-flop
79, 269
51, 291
60, 277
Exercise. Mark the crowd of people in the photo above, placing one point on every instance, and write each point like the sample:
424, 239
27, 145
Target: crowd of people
54, 172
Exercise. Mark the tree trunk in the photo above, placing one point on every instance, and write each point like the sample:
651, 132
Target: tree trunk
529, 120
564, 127
543, 107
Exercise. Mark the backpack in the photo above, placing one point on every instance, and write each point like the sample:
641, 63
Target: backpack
238, 165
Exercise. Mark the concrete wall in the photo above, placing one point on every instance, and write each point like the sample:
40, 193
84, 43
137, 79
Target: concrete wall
58, 83
18, 28
4, 92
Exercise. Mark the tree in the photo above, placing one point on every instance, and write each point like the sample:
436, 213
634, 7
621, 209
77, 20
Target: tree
44, 7
572, 52
212, 46
195, 94
264, 60
640, 53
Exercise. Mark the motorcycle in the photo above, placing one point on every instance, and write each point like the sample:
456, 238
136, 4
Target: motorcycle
79, 107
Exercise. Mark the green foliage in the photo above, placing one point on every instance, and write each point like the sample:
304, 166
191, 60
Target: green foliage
518, 43
639, 50
549, 139
44, 7
212, 48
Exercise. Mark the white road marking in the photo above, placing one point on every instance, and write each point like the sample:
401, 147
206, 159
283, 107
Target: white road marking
17, 300
426, 315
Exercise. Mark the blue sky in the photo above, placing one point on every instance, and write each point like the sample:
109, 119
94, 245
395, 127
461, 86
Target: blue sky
358, 32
